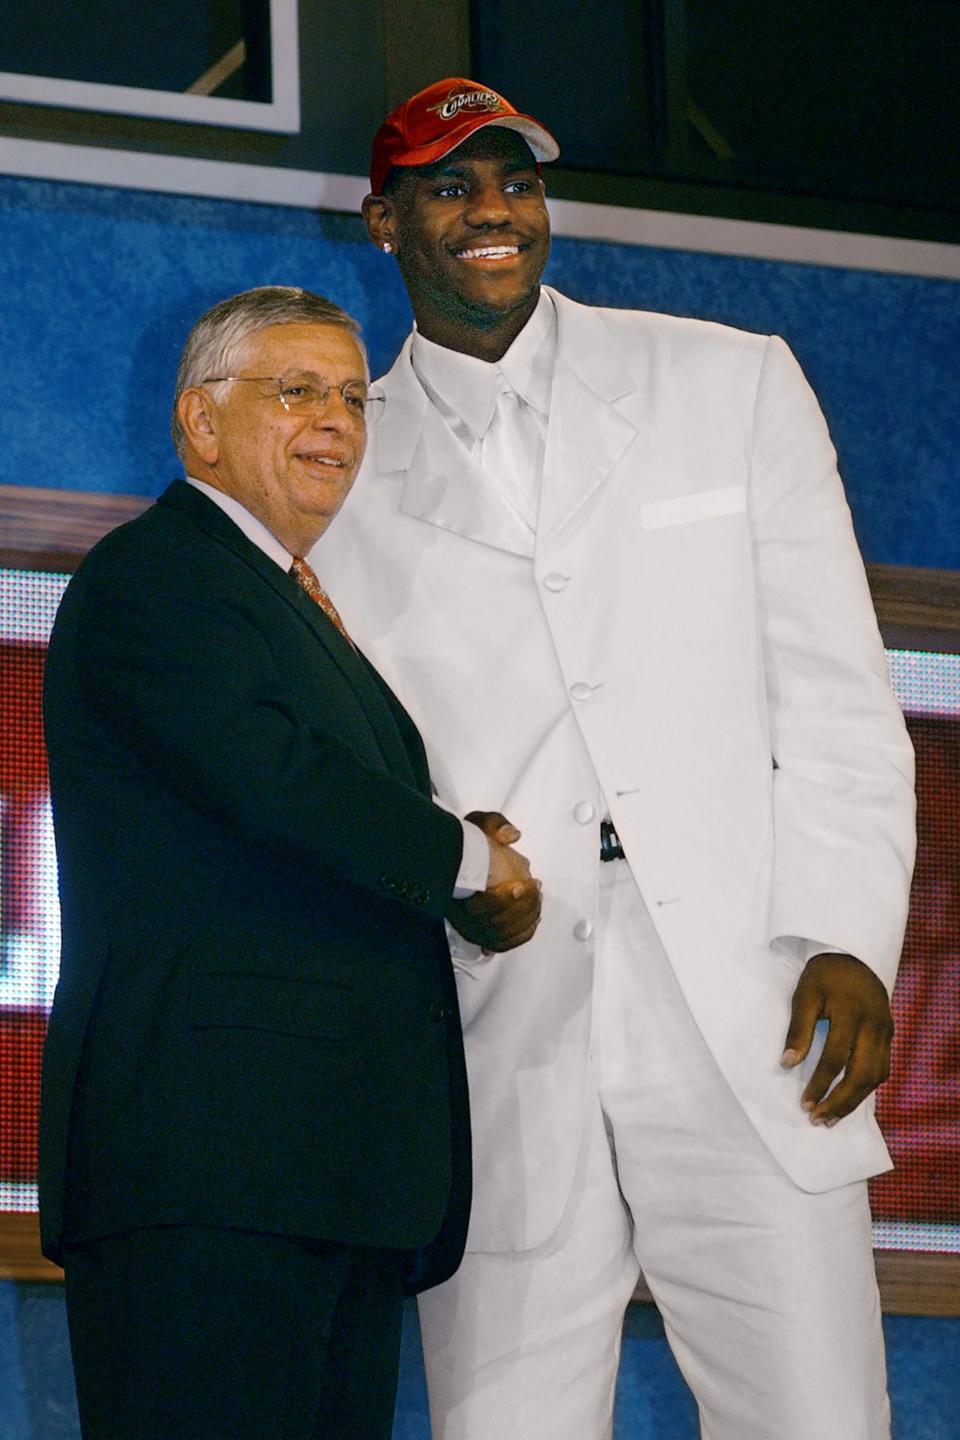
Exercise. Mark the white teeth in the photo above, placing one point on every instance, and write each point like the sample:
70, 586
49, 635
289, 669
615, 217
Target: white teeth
493, 252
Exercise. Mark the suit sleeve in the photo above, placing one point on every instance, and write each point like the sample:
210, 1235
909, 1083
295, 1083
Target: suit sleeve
843, 782
190, 682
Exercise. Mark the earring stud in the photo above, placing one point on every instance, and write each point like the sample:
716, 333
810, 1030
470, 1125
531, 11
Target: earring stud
387, 248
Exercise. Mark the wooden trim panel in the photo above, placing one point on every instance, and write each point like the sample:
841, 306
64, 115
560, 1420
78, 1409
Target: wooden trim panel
44, 529
20, 1257
917, 609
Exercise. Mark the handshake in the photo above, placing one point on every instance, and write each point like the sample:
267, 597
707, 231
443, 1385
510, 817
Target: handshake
507, 913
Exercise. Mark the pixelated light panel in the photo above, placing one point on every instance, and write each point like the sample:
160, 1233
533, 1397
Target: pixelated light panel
917, 1206
29, 912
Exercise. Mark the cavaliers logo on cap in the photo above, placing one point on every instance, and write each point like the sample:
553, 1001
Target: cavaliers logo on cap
458, 100
436, 120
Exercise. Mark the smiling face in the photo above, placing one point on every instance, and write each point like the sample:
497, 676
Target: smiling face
292, 471
472, 235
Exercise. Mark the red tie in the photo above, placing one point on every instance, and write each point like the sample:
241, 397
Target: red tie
309, 583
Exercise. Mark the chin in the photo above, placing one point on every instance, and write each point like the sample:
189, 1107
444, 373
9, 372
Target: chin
500, 298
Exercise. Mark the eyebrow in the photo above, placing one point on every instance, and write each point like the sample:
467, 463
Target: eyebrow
295, 373
459, 171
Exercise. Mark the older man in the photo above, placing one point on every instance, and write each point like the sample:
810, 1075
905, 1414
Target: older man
255, 1130
614, 576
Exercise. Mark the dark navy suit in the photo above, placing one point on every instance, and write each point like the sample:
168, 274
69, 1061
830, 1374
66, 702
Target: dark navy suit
256, 1027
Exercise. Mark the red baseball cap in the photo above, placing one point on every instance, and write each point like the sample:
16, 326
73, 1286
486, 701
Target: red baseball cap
436, 120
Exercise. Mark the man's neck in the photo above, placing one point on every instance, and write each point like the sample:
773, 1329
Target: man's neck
292, 534
483, 335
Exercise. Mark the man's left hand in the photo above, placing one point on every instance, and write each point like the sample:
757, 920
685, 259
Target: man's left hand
844, 991
501, 918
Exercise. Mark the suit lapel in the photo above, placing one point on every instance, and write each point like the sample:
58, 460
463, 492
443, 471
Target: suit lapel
408, 732
593, 414
209, 518
443, 485
596, 411
367, 684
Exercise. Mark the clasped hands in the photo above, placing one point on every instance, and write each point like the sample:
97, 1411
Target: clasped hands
507, 913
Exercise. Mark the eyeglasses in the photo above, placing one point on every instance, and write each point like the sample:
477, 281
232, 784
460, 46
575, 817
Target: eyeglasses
305, 394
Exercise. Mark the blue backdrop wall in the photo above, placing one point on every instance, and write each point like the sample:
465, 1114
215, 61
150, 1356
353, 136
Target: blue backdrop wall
98, 288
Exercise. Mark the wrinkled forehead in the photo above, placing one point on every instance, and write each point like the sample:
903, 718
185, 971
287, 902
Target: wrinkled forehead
332, 351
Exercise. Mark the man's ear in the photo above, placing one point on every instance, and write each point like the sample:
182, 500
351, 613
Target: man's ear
196, 415
380, 218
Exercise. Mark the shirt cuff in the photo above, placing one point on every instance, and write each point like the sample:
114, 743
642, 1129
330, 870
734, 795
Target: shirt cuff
474, 863
800, 950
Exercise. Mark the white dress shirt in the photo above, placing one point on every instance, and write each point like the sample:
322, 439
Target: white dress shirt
498, 410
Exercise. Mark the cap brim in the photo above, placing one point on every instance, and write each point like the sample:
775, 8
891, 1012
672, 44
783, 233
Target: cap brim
541, 142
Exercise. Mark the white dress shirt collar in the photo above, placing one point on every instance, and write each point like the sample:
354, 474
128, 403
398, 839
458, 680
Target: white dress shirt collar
465, 389
254, 529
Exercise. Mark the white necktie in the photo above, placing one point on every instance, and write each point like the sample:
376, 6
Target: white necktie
511, 453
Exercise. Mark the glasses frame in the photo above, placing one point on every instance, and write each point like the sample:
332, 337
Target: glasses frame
281, 394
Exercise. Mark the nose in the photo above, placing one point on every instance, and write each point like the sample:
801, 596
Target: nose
488, 207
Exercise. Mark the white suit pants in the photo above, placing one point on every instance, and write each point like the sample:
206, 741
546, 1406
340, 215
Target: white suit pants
767, 1293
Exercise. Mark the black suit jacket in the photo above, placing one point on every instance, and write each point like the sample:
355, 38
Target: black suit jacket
256, 1023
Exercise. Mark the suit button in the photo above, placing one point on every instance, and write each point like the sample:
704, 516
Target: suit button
436, 1011
581, 690
583, 812
583, 930
555, 581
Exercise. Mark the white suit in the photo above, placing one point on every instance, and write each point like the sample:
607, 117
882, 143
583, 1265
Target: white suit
692, 647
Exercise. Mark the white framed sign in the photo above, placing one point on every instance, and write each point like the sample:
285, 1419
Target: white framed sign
197, 102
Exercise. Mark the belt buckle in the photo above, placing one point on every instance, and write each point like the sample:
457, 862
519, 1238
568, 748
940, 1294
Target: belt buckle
610, 847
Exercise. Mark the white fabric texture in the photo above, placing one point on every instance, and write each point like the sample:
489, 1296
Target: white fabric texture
718, 676
463, 389
511, 453
668, 667
498, 412
768, 1293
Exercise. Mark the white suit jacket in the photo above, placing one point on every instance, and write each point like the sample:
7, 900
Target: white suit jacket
693, 634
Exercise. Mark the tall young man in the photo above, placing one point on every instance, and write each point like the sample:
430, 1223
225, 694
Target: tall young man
614, 576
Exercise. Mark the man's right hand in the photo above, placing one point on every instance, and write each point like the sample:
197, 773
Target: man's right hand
507, 913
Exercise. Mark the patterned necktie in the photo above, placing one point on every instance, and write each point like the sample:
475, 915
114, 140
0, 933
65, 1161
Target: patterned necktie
309, 583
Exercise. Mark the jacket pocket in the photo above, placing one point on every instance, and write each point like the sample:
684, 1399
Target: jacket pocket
702, 505
268, 1003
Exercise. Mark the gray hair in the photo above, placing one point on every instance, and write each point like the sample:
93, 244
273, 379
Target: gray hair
215, 342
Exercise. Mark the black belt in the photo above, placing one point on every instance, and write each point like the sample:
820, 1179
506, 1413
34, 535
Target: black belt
610, 847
